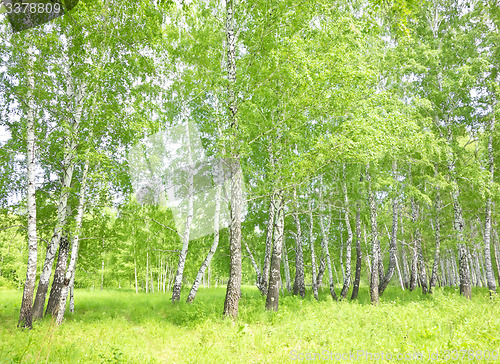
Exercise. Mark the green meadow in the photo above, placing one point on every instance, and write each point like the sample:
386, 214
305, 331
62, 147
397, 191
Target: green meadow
124, 327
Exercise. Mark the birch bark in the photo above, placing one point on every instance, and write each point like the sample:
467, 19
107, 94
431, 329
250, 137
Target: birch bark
57, 283
490, 276
375, 243
70, 271
299, 286
213, 248
176, 291
269, 246
272, 300
234, 284
437, 233
347, 274
359, 257
393, 243
313, 254
286, 266
26, 315
324, 242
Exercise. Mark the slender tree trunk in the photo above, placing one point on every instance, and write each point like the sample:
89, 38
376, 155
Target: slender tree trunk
422, 273
72, 297
272, 301
209, 276
70, 271
151, 280
374, 276
77, 98
57, 283
464, 273
286, 266
299, 286
347, 276
399, 275
26, 314
313, 254
269, 246
419, 274
176, 292
404, 260
158, 276
233, 292
255, 267
480, 261
147, 272
368, 255
454, 268
341, 255
234, 283
324, 244
359, 257
414, 247
490, 276
444, 279
135, 276
393, 243
213, 248
437, 232
321, 272
102, 274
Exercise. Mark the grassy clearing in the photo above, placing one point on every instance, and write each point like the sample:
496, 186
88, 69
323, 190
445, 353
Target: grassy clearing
120, 326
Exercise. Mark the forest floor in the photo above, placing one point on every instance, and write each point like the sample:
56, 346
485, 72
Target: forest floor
124, 327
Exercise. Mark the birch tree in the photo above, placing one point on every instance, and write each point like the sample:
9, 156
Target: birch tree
26, 315
272, 300
70, 271
234, 284
176, 292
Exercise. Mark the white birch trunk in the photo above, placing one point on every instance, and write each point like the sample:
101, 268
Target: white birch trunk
70, 271
393, 242
313, 254
324, 243
375, 244
272, 300
26, 316
213, 248
135, 276
437, 233
299, 286
286, 266
269, 246
233, 291
147, 272
176, 292
347, 273
490, 276
57, 282
359, 255
72, 297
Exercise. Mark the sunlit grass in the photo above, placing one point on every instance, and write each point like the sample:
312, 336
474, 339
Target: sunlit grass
120, 326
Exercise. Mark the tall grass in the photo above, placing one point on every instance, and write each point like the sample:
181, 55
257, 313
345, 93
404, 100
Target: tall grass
121, 326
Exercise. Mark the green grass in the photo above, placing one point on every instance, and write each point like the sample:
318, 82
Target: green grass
122, 327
